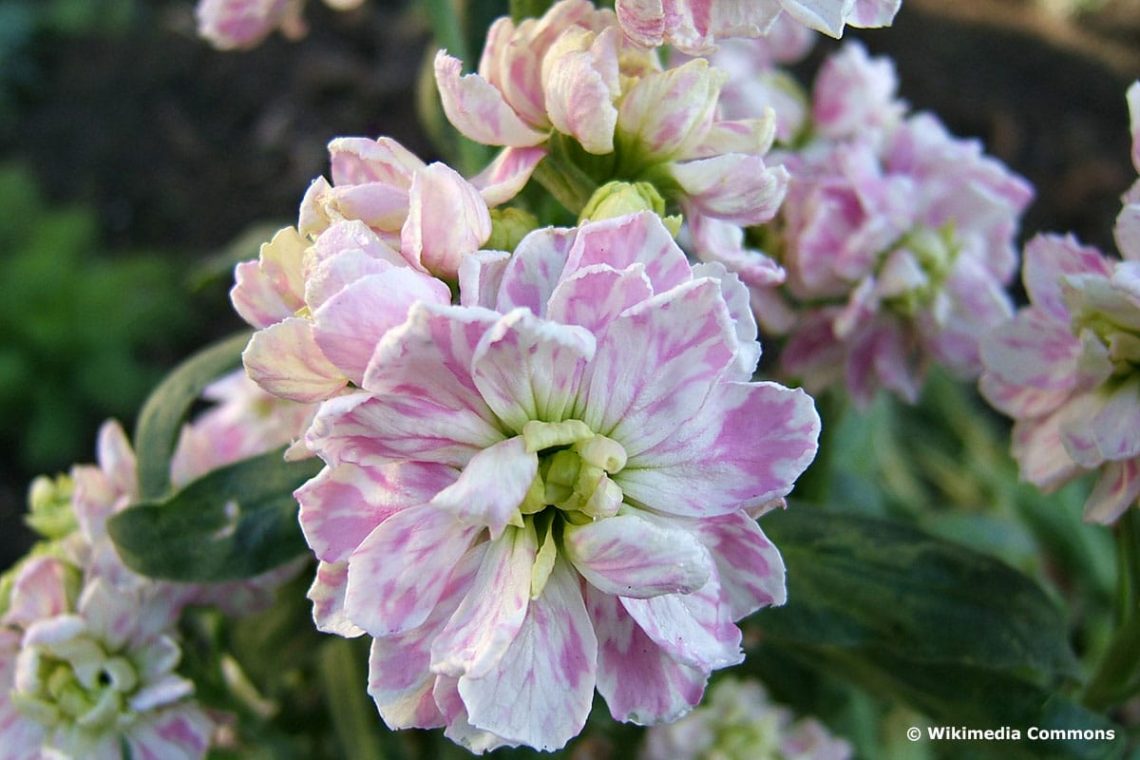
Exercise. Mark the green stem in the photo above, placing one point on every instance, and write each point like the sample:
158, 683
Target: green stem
1117, 676
343, 678
447, 27
563, 179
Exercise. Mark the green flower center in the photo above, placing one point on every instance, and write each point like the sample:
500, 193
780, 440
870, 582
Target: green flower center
915, 269
77, 682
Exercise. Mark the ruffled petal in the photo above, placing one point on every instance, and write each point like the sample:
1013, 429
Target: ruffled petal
507, 174
478, 110
750, 567
746, 447
492, 613
550, 667
733, 187
631, 556
594, 296
1117, 489
695, 629
530, 369
492, 486
639, 681
285, 360
327, 595
399, 573
626, 241
447, 219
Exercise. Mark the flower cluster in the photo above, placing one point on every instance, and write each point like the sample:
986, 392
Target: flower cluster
88, 649
738, 722
1065, 368
896, 239
543, 464
572, 84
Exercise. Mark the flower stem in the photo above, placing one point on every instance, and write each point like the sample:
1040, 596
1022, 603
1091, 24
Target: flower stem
1117, 676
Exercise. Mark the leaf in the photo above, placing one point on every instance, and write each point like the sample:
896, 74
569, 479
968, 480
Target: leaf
954, 633
235, 522
167, 406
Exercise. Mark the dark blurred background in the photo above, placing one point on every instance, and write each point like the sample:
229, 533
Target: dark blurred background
137, 164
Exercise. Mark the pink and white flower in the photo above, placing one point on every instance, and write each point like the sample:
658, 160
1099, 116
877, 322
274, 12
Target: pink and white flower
548, 489
84, 678
243, 24
738, 721
694, 26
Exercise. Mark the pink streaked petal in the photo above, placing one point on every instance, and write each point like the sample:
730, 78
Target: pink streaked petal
535, 269
480, 277
116, 458
459, 728
1034, 350
1041, 458
1111, 425
716, 240
242, 24
739, 302
478, 110
750, 566
400, 680
359, 160
695, 629
110, 615
340, 237
733, 187
643, 21
492, 486
1117, 489
342, 505
254, 298
285, 360
639, 681
883, 353
333, 274
39, 591
621, 242
362, 429
1127, 232
381, 207
666, 113
492, 612
162, 692
447, 219
350, 324
327, 595
530, 369
630, 556
550, 668
745, 136
507, 174
179, 733
580, 82
429, 359
594, 296
399, 573
1019, 401
747, 446
656, 364
1048, 258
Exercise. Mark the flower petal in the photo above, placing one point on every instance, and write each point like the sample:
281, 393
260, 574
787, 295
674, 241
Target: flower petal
327, 595
750, 567
594, 296
447, 219
399, 573
695, 629
285, 360
734, 187
631, 556
507, 174
478, 110
350, 324
747, 446
655, 365
400, 680
639, 681
180, 733
550, 668
1117, 489
492, 612
535, 269
530, 369
343, 504
624, 241
492, 486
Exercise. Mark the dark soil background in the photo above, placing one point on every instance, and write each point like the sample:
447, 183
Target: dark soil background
181, 148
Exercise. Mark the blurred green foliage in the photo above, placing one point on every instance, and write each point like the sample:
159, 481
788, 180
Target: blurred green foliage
83, 332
